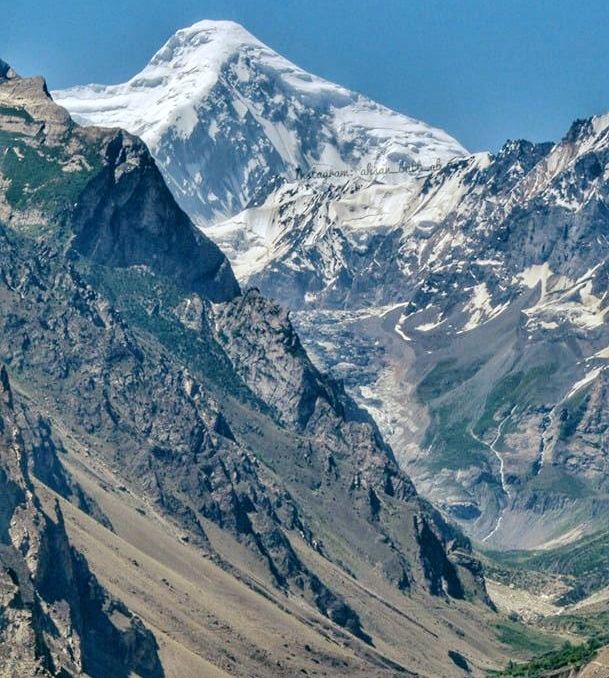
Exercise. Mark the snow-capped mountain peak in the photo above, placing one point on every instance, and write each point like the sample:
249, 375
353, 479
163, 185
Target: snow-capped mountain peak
228, 118
164, 94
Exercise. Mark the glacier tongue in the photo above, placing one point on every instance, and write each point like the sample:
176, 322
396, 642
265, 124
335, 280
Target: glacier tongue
228, 119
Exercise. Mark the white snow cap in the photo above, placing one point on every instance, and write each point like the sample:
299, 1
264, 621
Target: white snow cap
165, 94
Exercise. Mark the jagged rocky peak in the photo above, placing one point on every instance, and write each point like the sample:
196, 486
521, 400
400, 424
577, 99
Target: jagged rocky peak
25, 103
126, 216
523, 153
584, 128
227, 118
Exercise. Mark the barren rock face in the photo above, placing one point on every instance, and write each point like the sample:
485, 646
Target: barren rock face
29, 107
55, 616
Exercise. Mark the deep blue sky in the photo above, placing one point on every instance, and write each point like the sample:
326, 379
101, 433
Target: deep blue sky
483, 70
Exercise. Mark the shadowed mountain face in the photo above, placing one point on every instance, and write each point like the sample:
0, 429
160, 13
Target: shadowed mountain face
124, 328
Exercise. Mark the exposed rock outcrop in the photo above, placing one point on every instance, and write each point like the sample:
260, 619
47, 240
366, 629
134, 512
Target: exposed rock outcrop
55, 618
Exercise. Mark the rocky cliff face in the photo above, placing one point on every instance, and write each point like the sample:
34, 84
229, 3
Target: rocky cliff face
127, 217
125, 326
348, 463
56, 619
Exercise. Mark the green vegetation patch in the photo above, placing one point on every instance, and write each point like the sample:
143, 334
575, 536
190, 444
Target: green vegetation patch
588, 625
517, 388
579, 558
584, 562
554, 480
38, 175
566, 657
16, 112
450, 432
444, 377
524, 639
453, 445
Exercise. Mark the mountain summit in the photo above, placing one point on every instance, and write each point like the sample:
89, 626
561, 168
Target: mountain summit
216, 97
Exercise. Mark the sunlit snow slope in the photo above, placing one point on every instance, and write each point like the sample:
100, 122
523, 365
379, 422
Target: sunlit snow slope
227, 118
